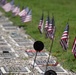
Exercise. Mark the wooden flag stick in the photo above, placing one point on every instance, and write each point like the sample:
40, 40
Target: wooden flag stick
50, 51
49, 55
34, 63
34, 59
38, 46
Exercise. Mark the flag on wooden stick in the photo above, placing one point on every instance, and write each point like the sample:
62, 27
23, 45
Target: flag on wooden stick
8, 6
28, 17
24, 12
46, 26
51, 28
16, 10
65, 38
74, 47
41, 23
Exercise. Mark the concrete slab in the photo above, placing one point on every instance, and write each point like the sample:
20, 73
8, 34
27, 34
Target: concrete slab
1, 13
3, 48
15, 70
42, 61
3, 42
9, 27
3, 18
20, 41
31, 54
9, 55
6, 22
57, 69
15, 35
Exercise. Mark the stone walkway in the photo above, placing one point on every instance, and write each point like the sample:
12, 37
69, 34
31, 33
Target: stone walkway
17, 53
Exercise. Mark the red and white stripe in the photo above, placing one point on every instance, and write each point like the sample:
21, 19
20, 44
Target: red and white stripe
40, 26
16, 11
22, 13
28, 18
74, 46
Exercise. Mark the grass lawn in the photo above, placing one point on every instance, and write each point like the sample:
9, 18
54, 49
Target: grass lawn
62, 11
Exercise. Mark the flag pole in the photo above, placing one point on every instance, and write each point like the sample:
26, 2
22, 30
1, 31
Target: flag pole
51, 45
49, 55
34, 63
34, 60
68, 31
45, 29
38, 46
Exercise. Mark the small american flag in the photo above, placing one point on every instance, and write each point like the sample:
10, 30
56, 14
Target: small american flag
28, 17
51, 29
16, 10
40, 26
8, 6
12, 8
24, 12
47, 23
46, 26
74, 46
65, 38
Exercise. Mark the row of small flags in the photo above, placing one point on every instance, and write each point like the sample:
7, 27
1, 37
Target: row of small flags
49, 30
25, 14
49, 26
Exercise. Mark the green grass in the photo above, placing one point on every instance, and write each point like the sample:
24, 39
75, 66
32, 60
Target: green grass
62, 10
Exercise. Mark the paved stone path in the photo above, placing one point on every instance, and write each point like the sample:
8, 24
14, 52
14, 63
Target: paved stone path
15, 54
